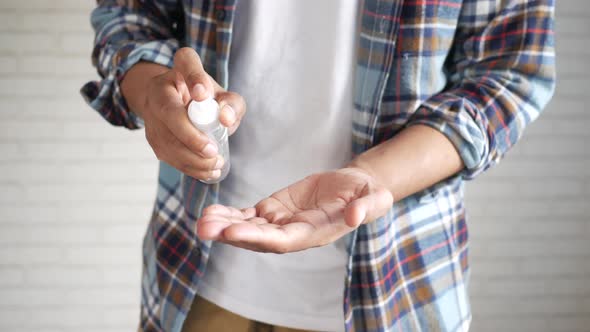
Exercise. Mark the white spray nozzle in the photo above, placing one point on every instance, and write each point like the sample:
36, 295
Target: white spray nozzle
202, 113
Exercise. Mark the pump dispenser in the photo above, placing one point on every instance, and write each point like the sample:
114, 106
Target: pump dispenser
204, 115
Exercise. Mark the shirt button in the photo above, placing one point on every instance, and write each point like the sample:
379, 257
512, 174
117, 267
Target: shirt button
220, 14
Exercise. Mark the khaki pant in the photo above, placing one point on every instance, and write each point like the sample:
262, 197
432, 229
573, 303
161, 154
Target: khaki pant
205, 316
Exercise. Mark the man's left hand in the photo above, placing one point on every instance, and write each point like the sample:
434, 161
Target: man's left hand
309, 213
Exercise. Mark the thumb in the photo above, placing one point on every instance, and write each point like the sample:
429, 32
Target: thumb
368, 207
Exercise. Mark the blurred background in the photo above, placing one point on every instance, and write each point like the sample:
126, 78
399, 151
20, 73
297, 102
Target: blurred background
76, 193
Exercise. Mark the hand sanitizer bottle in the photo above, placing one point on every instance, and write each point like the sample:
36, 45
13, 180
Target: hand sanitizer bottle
205, 116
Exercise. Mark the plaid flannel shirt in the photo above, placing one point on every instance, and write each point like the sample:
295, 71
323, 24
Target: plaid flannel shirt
478, 71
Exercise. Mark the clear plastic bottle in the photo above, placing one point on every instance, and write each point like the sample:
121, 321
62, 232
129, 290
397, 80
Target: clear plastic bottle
204, 115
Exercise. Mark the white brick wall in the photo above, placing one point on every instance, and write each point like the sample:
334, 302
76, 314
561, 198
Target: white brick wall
74, 201
530, 217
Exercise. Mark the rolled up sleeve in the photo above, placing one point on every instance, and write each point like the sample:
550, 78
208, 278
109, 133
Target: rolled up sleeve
127, 32
501, 76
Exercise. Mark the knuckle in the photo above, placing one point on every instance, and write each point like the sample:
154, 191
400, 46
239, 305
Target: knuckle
184, 52
200, 142
206, 166
193, 172
194, 77
210, 164
184, 168
176, 75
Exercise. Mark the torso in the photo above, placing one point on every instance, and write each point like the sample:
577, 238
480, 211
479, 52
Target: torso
294, 68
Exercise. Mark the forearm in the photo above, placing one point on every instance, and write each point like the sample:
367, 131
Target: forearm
413, 160
135, 84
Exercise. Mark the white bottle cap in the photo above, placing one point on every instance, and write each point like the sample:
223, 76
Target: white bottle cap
203, 113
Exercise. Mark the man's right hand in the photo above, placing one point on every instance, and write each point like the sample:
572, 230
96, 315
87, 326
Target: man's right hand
161, 95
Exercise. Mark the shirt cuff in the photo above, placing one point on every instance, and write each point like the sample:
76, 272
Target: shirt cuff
106, 97
453, 118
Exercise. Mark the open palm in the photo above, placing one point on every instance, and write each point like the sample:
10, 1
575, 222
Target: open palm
309, 213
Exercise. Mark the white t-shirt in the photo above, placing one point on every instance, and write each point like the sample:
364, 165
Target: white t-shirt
292, 60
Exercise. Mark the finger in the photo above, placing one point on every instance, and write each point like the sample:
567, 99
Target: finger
171, 150
174, 115
211, 226
258, 237
249, 212
368, 208
188, 163
188, 63
233, 108
272, 209
181, 87
228, 211
212, 218
270, 237
216, 209
203, 175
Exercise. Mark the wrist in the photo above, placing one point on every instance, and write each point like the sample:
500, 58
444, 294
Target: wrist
364, 167
364, 164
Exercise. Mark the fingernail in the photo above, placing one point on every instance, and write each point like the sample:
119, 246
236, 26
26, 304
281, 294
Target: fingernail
215, 174
200, 89
231, 114
219, 163
210, 150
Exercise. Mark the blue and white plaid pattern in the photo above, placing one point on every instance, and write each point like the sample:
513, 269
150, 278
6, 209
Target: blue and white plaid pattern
479, 71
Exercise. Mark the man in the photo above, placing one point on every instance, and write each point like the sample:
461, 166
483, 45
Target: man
372, 230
